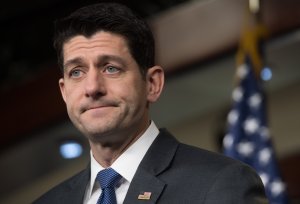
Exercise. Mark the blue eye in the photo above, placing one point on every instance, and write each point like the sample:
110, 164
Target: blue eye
111, 70
75, 73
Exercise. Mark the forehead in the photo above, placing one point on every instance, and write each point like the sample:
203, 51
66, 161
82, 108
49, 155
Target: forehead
100, 41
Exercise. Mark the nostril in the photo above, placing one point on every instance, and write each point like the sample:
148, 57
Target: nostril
94, 85
94, 94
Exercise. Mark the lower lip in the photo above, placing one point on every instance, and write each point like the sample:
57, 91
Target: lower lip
99, 111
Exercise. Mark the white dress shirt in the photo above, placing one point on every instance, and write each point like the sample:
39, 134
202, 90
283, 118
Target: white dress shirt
126, 165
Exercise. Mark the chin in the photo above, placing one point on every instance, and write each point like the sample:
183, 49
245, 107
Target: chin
98, 132
105, 138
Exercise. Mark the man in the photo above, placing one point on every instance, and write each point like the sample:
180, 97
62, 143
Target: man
109, 81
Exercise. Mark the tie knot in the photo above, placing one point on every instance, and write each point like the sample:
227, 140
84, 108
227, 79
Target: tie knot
108, 178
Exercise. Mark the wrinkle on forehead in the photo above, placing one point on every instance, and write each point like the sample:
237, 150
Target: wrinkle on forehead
97, 48
99, 37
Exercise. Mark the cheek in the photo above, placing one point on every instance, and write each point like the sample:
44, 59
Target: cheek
135, 91
73, 111
139, 96
131, 95
70, 107
71, 100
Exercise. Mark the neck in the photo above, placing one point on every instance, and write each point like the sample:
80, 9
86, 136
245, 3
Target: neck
106, 153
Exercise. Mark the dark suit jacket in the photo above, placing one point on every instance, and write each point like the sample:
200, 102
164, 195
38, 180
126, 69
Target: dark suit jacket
175, 173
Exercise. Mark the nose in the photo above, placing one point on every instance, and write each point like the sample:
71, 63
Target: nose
94, 84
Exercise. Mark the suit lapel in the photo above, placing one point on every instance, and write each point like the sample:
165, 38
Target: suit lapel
144, 182
77, 187
156, 160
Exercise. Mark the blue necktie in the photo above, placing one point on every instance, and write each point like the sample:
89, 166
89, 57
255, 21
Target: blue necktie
108, 179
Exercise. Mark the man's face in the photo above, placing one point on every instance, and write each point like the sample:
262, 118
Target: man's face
105, 93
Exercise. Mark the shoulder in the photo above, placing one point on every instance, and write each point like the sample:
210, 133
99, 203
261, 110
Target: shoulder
191, 156
219, 177
61, 193
226, 179
208, 161
202, 156
214, 178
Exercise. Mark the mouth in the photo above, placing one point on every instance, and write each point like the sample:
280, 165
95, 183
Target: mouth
97, 107
97, 111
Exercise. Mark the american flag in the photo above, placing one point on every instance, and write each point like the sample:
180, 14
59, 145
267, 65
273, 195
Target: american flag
248, 137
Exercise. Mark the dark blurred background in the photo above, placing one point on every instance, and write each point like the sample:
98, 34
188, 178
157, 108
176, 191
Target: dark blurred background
27, 27
196, 44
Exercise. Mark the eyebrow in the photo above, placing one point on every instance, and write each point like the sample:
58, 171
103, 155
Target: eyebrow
100, 60
77, 60
105, 58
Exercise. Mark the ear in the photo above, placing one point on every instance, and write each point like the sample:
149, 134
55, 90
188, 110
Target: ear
155, 82
61, 83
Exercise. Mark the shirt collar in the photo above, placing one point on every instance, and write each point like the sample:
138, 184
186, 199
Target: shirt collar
131, 157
